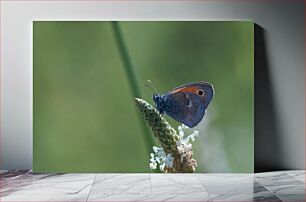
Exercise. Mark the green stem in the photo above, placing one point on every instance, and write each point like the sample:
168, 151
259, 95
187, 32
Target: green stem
129, 70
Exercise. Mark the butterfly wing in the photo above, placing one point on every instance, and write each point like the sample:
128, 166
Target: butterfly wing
196, 87
184, 107
187, 103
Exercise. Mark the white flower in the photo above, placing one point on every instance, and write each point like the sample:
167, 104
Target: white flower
196, 133
180, 128
157, 160
181, 133
152, 158
153, 165
162, 167
180, 149
169, 161
184, 127
184, 147
156, 149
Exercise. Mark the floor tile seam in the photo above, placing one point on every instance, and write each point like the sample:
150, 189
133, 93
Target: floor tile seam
91, 188
208, 194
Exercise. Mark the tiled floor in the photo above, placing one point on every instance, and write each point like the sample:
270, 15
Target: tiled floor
272, 186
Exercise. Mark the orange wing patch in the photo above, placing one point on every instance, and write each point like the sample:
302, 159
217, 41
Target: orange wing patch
193, 89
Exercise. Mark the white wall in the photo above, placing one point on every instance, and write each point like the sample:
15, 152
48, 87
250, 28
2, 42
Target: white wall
283, 23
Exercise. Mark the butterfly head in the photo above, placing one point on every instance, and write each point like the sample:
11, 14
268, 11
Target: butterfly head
157, 97
159, 102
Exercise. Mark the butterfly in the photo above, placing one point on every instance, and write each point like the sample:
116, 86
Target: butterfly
186, 103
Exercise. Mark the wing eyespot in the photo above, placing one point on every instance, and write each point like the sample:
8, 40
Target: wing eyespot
200, 93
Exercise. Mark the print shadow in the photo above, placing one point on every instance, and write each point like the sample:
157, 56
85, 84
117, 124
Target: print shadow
267, 149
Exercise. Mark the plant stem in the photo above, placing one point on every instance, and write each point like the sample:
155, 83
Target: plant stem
129, 70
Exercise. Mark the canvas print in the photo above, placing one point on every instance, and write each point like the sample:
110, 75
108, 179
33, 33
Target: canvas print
149, 97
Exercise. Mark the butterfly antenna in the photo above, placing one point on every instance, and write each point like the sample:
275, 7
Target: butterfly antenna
150, 85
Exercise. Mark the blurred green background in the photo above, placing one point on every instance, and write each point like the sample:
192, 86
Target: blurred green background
84, 115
